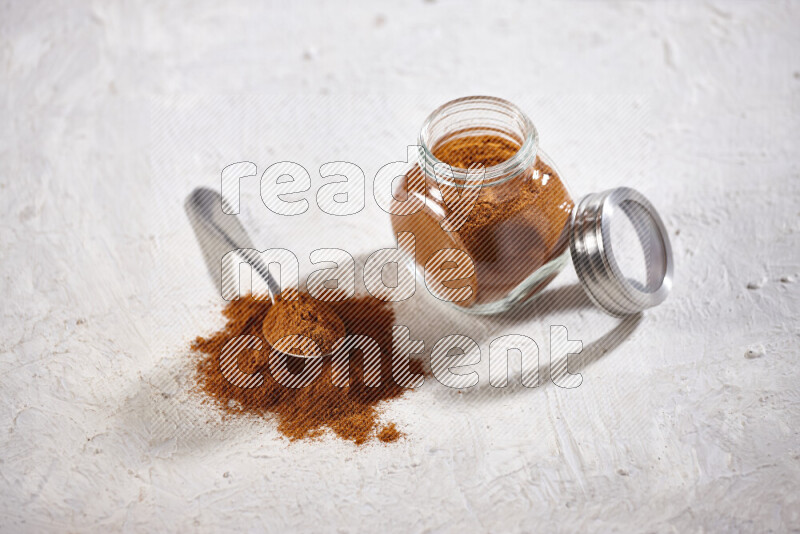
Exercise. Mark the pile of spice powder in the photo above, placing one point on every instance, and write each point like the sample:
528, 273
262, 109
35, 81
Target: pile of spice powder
352, 412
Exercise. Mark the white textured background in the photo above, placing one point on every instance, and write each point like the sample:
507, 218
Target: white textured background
112, 112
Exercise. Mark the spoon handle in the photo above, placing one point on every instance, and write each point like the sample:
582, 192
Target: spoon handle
218, 233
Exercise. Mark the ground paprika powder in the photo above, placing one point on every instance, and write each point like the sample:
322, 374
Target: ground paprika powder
515, 226
351, 413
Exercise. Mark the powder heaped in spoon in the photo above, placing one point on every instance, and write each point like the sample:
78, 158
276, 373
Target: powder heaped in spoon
305, 316
351, 413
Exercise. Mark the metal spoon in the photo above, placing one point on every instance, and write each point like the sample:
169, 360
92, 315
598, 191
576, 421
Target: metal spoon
218, 233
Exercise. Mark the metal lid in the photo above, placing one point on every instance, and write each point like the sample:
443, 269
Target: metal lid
596, 251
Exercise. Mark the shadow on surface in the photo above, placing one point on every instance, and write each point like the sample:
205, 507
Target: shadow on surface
549, 302
551, 374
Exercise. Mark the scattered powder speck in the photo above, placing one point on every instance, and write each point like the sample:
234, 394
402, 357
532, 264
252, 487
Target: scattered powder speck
389, 433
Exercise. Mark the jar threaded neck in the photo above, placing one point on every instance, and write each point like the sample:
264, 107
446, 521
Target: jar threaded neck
474, 116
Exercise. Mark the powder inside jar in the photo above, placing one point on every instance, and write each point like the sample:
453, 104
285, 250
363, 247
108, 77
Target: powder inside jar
515, 226
488, 150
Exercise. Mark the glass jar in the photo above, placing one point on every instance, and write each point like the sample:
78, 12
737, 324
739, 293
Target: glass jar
493, 222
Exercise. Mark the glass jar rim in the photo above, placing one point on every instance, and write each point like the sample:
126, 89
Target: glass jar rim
495, 174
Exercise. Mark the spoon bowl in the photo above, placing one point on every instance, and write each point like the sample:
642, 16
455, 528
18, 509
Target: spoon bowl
218, 233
